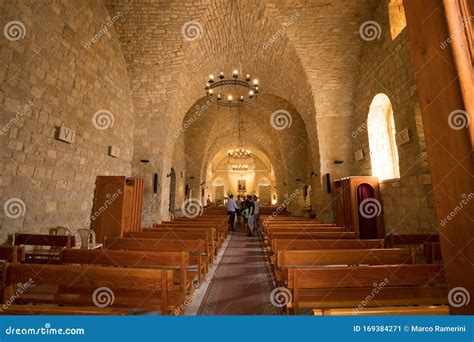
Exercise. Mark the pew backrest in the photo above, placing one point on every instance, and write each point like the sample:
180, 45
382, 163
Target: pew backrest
315, 258
305, 244
313, 235
392, 240
365, 276
125, 258
172, 245
22, 239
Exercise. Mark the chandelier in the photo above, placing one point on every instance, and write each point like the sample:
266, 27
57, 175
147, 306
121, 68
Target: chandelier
232, 92
239, 167
239, 153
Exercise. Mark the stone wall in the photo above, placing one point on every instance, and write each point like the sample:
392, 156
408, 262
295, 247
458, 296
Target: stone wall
67, 67
408, 205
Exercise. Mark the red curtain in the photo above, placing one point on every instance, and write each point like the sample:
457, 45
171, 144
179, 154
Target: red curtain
367, 226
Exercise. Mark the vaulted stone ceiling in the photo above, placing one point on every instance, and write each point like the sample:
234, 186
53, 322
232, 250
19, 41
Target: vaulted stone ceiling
215, 130
305, 52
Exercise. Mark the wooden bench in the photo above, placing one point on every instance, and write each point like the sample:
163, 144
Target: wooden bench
216, 224
382, 256
432, 252
270, 222
42, 248
172, 235
344, 257
350, 287
269, 232
50, 310
12, 254
305, 245
196, 249
427, 245
217, 236
178, 261
392, 311
308, 229
85, 286
392, 240
312, 236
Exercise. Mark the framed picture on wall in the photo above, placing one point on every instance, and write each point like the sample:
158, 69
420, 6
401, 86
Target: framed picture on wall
241, 185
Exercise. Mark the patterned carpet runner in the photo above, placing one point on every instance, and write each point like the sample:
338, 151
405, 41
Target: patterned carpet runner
241, 284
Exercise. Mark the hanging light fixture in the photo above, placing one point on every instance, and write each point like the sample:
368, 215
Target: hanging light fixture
233, 91
236, 92
239, 153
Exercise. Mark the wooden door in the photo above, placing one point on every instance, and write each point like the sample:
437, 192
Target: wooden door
265, 194
219, 195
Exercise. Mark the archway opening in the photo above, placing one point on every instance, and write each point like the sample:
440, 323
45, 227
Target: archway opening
253, 175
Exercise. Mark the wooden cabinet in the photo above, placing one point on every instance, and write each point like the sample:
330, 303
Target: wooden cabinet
358, 206
118, 204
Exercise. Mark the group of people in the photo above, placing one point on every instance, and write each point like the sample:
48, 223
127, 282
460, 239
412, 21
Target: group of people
246, 208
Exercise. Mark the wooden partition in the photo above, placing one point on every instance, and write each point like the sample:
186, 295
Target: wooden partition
445, 80
118, 206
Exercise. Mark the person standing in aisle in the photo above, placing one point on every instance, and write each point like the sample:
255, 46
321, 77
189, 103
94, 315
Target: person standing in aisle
256, 212
231, 207
238, 211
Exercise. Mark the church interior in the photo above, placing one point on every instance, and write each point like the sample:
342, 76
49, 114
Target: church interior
237, 157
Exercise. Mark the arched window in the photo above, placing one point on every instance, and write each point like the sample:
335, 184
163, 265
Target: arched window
383, 148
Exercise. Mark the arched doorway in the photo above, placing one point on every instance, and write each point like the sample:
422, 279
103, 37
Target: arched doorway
172, 203
265, 191
218, 191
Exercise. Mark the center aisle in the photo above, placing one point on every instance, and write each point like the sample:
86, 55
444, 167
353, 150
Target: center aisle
241, 284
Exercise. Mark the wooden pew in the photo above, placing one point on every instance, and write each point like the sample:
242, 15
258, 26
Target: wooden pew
392, 240
45, 248
442, 310
172, 235
50, 310
294, 225
12, 254
299, 224
308, 229
312, 235
196, 248
382, 256
178, 261
432, 252
296, 231
305, 245
345, 257
349, 287
219, 225
135, 288
309, 236
427, 245
217, 236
